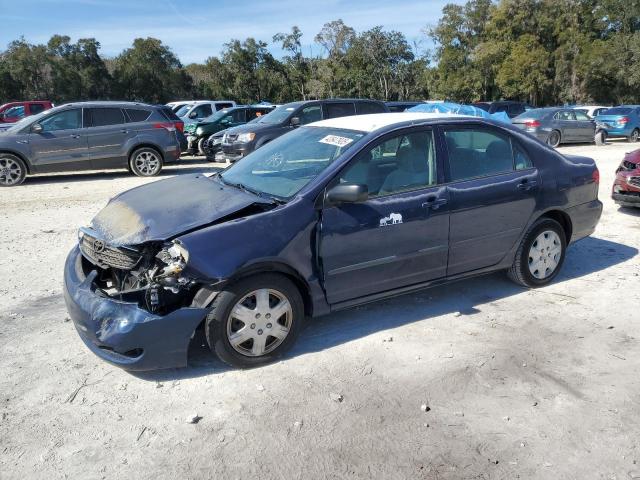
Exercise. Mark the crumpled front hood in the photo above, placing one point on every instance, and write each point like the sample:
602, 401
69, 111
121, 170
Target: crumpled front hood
161, 210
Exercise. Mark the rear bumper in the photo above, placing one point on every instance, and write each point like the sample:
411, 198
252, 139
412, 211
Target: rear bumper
584, 219
618, 132
122, 333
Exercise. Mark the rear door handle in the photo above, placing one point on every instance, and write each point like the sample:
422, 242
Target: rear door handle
434, 202
527, 184
73, 135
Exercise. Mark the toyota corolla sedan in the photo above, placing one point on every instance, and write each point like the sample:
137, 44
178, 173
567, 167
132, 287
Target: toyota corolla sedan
331, 215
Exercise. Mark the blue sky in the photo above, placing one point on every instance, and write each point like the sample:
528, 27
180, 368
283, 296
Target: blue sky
197, 29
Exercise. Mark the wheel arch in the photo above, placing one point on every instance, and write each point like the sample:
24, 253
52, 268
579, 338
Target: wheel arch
282, 269
145, 145
563, 219
20, 156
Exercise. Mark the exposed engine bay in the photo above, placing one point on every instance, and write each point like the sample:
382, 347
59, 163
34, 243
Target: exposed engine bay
151, 275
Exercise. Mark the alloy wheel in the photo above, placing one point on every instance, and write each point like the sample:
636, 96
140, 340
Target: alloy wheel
259, 322
147, 163
545, 254
10, 171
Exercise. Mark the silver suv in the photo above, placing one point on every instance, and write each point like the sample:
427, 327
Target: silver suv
90, 136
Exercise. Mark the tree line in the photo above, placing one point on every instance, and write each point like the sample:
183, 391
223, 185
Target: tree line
541, 51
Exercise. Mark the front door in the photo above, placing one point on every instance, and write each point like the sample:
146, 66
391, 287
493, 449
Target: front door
61, 144
398, 237
493, 189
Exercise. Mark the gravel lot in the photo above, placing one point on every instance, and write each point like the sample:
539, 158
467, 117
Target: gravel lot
518, 384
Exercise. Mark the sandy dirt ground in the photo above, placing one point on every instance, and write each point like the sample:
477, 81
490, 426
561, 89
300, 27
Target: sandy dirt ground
540, 384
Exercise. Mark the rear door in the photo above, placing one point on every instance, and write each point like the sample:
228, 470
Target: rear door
107, 135
62, 144
398, 237
493, 189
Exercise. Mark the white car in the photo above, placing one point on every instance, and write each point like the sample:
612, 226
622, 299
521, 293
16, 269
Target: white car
199, 109
591, 110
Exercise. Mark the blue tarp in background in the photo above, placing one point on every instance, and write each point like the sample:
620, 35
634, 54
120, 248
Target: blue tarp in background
458, 109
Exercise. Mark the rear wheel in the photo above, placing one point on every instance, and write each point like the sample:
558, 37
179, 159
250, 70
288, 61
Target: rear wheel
12, 170
145, 162
635, 136
540, 255
554, 139
255, 321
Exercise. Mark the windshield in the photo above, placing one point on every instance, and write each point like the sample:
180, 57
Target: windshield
616, 111
283, 166
278, 115
215, 116
182, 111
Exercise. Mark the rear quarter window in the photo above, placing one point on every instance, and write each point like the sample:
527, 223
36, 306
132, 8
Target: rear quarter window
137, 115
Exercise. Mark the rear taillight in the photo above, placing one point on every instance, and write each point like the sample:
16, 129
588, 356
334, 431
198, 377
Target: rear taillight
179, 126
169, 126
595, 176
532, 123
624, 120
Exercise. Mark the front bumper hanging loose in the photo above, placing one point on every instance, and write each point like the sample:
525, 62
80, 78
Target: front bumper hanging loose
123, 333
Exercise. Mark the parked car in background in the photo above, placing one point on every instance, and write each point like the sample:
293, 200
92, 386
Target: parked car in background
626, 186
14, 111
198, 133
591, 110
196, 111
328, 216
621, 121
90, 136
555, 125
240, 141
177, 105
400, 106
510, 107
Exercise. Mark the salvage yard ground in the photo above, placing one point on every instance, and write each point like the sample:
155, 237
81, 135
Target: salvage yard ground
479, 379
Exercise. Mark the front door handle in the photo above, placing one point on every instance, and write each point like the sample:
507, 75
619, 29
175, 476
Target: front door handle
73, 135
527, 185
434, 202
124, 130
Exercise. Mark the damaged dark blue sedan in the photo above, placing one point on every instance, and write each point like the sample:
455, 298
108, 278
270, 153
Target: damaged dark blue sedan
328, 216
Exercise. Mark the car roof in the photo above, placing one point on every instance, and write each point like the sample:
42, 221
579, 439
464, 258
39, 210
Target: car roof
109, 103
377, 121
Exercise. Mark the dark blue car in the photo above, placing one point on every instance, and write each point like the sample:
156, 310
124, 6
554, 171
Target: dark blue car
331, 215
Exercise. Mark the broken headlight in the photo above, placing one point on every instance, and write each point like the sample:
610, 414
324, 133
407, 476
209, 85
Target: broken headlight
173, 260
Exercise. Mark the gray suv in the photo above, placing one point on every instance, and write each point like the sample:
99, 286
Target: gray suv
90, 136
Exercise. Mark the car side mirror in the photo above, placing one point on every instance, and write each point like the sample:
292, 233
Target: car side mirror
348, 193
295, 121
36, 128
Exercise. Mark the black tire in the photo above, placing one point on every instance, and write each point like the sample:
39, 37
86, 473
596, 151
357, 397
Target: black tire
601, 138
12, 170
520, 271
153, 165
554, 138
201, 147
219, 321
635, 136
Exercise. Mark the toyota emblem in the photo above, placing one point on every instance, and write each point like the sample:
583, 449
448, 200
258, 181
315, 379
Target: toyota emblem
98, 246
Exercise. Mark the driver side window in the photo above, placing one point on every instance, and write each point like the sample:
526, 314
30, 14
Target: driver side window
67, 120
401, 163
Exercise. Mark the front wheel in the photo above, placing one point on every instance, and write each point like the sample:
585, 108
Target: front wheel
12, 170
255, 321
601, 138
540, 254
554, 139
145, 162
635, 136
201, 146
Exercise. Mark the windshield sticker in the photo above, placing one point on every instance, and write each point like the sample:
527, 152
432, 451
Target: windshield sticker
336, 140
290, 109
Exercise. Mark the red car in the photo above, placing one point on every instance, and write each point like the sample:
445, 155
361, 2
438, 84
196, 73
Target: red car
13, 111
626, 188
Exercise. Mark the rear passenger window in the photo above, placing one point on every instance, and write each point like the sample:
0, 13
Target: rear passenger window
478, 153
223, 105
102, 117
335, 110
137, 115
36, 108
363, 108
